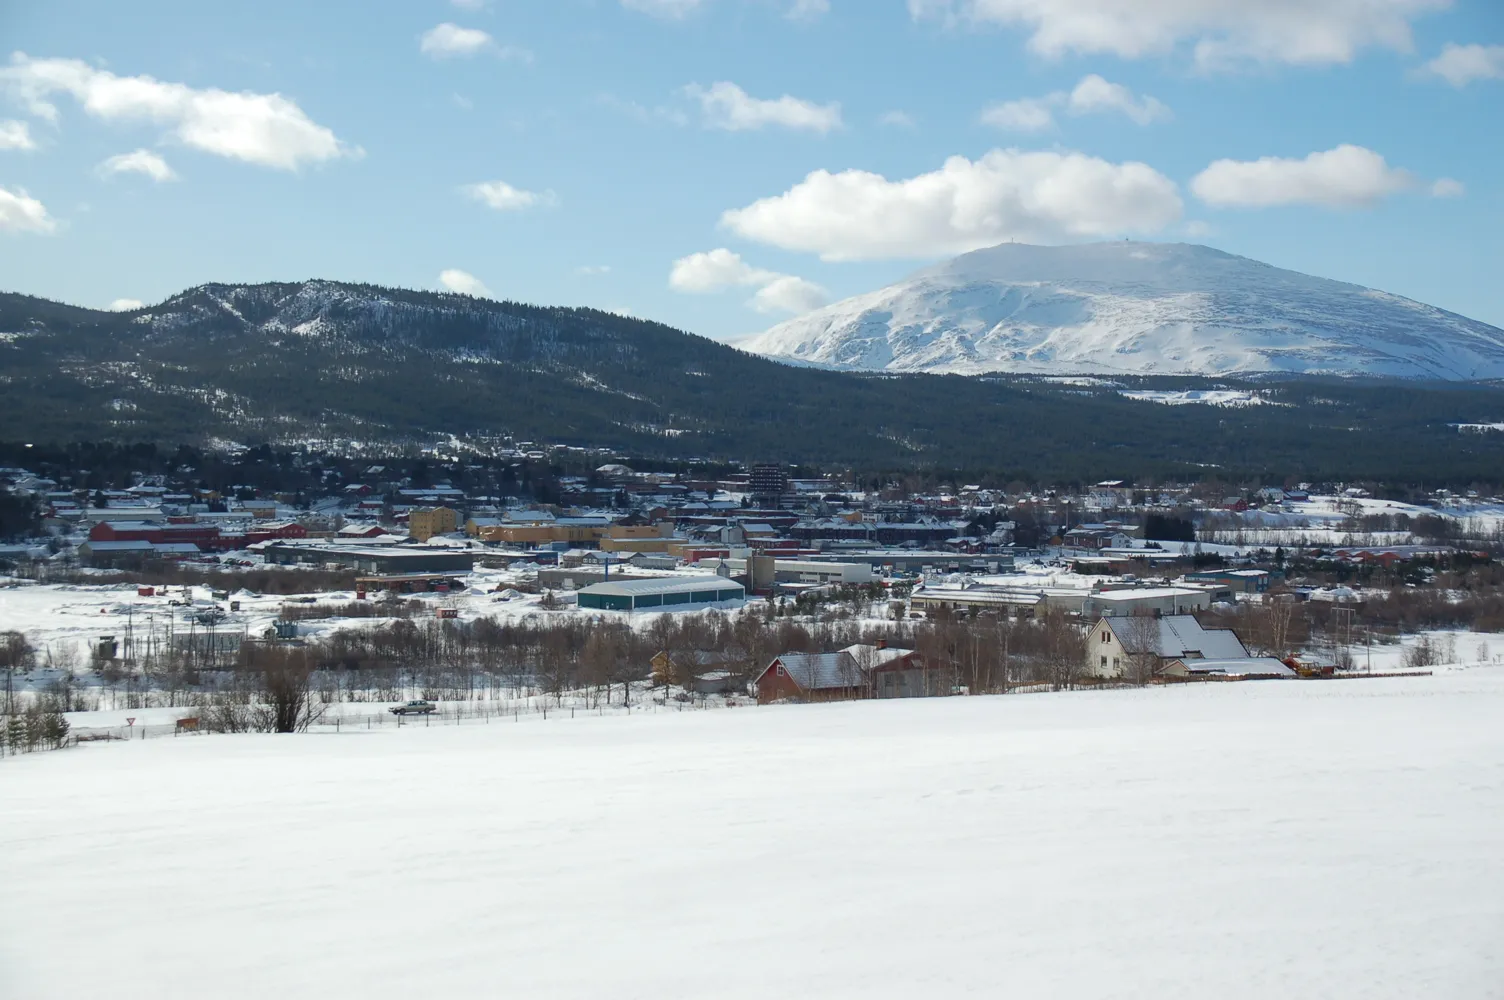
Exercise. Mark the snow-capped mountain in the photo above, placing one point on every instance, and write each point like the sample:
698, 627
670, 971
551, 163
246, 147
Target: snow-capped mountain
1146, 308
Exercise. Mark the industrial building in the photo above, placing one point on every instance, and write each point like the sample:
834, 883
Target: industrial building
1243, 581
673, 593
922, 561
1146, 601
375, 561
129, 555
805, 571
964, 600
575, 577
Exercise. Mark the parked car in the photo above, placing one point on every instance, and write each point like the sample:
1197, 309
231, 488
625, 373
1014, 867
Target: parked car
419, 707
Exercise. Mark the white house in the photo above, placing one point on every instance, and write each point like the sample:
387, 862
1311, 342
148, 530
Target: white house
1115, 641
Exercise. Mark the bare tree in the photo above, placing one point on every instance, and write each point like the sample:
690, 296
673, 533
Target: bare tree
287, 704
15, 654
1139, 635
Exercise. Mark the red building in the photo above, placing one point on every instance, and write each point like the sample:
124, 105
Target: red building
858, 671
208, 537
268, 532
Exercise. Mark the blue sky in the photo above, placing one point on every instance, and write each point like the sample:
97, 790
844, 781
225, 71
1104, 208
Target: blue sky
720, 165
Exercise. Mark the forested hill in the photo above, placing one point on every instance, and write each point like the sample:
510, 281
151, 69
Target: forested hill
331, 363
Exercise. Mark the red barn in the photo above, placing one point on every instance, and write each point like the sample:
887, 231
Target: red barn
858, 671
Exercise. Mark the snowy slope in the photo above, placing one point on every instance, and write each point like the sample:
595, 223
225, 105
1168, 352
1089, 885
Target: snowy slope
1128, 307
1237, 841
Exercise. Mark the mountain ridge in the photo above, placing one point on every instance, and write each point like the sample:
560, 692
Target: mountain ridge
368, 369
1132, 307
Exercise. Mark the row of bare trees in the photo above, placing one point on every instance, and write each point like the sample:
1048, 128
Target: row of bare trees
278, 686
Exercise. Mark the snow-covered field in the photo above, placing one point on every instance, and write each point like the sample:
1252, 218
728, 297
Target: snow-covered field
53, 616
1336, 839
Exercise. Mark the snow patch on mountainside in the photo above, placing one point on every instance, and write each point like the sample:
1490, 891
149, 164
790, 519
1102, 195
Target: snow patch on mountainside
1204, 397
1142, 308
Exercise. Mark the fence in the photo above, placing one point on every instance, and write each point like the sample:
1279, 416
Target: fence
535, 709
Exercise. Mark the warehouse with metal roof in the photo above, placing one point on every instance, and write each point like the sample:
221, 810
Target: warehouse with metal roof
669, 593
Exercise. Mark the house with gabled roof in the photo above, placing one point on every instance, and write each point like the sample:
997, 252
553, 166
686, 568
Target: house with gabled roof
1116, 643
811, 677
858, 671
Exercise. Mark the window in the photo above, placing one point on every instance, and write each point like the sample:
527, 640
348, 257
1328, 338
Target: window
780, 671
1104, 662
1114, 663
1106, 638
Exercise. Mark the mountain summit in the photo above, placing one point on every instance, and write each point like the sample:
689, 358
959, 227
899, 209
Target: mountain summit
1126, 307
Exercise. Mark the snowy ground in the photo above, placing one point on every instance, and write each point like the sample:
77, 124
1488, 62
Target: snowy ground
1333, 839
61, 617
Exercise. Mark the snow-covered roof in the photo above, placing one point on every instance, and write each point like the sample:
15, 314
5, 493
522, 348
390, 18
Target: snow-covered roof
1241, 667
661, 585
119, 546
816, 671
868, 656
180, 548
1131, 594
1175, 636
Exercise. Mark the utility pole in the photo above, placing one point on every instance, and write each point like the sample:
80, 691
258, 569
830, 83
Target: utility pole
1342, 628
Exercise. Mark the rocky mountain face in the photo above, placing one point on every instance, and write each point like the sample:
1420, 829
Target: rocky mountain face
1144, 308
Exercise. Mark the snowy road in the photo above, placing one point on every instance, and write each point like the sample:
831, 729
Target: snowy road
1335, 839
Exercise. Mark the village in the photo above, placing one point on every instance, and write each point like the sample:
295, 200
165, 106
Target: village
757, 586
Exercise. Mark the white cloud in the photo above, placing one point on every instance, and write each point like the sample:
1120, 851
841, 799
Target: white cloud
1092, 95
720, 269
897, 119
1027, 114
808, 10
668, 9
592, 270
265, 129
1446, 187
504, 198
714, 271
125, 305
1303, 32
464, 282
1460, 65
449, 39
1345, 177
21, 213
791, 295
141, 161
1007, 194
470, 4
727, 106
16, 135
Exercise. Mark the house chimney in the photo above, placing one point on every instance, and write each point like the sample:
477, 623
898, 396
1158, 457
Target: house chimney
882, 644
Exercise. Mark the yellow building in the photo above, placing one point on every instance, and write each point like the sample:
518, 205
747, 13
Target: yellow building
663, 529
425, 522
653, 538
539, 534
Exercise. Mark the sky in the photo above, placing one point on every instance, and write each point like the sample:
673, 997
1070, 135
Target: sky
721, 165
